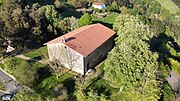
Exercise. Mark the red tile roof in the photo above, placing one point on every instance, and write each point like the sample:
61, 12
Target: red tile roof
98, 4
86, 39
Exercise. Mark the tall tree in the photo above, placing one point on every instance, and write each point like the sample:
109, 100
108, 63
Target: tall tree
131, 65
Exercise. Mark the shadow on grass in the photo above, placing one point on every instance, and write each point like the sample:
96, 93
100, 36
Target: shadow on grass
43, 73
70, 85
104, 23
69, 11
158, 44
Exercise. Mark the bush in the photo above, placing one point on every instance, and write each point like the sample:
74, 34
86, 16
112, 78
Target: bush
27, 96
97, 10
86, 19
175, 65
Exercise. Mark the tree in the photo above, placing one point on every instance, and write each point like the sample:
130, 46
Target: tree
76, 3
131, 65
68, 24
86, 19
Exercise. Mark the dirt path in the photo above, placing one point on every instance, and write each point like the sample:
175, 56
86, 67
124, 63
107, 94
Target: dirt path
23, 57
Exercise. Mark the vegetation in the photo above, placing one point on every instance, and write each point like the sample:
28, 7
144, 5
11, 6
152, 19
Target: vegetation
2, 87
41, 52
85, 20
167, 93
130, 62
169, 5
146, 49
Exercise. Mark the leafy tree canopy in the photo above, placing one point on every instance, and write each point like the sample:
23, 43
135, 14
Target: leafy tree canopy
133, 68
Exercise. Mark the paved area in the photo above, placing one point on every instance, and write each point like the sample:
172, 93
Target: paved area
174, 81
9, 83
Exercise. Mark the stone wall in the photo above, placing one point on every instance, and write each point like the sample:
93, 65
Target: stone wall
66, 57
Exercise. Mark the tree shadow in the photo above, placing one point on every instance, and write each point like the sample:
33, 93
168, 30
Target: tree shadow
94, 81
70, 86
69, 12
104, 23
43, 73
156, 45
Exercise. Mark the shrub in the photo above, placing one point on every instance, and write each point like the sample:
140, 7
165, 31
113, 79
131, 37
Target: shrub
175, 65
86, 19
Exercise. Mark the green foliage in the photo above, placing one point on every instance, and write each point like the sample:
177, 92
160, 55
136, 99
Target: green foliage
41, 52
61, 92
167, 48
134, 66
25, 73
86, 19
27, 96
68, 24
10, 64
169, 5
1, 2
97, 10
167, 92
96, 89
124, 10
52, 15
113, 8
48, 83
76, 3
46, 86
110, 18
174, 65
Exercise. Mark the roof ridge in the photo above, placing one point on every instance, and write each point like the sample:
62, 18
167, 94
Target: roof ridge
88, 27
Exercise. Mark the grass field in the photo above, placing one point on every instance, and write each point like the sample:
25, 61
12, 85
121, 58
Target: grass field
108, 19
111, 18
37, 53
169, 5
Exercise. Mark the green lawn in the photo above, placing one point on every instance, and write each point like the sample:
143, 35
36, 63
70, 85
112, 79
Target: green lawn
38, 52
108, 19
111, 18
169, 5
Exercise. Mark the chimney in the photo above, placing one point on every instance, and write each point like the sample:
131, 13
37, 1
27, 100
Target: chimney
62, 39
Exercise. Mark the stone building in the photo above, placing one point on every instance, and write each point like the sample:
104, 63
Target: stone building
82, 48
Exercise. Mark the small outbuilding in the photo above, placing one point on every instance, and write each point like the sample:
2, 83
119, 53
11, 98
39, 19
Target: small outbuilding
81, 49
99, 5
